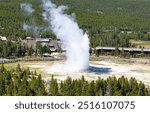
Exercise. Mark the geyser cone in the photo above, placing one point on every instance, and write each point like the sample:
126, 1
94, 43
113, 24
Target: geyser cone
67, 30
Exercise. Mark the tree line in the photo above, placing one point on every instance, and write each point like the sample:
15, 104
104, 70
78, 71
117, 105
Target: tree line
23, 82
9, 48
20, 82
13, 49
100, 87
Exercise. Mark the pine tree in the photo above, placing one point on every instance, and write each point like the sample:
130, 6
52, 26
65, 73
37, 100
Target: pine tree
68, 87
84, 89
62, 88
41, 87
91, 91
109, 90
18, 68
78, 87
98, 85
2, 85
53, 88
2, 69
141, 91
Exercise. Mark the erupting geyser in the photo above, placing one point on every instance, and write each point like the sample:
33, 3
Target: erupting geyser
67, 30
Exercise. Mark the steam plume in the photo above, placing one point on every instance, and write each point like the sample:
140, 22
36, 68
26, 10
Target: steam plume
67, 30
33, 28
27, 8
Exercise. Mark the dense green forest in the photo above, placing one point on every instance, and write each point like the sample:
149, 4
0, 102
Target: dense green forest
23, 82
121, 7
9, 49
95, 16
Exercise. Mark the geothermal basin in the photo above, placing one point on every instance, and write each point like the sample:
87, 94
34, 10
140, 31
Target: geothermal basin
102, 69
76, 43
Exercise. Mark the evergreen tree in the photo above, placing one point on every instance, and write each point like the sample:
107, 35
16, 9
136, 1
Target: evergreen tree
53, 88
91, 91
109, 90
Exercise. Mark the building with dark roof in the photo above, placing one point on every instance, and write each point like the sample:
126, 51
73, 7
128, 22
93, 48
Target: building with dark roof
54, 45
132, 51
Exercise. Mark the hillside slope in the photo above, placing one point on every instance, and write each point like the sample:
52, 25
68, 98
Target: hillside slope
92, 15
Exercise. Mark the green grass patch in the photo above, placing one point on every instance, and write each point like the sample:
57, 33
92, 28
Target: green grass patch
140, 43
37, 66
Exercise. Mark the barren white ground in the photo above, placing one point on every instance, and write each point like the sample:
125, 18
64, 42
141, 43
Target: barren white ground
101, 69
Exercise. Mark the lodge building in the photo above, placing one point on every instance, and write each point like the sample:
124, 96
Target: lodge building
131, 51
53, 45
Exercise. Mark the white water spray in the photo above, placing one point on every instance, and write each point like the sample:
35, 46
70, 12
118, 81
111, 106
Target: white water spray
27, 8
68, 31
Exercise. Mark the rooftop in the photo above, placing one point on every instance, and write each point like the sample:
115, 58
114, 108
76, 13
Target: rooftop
120, 48
3, 38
